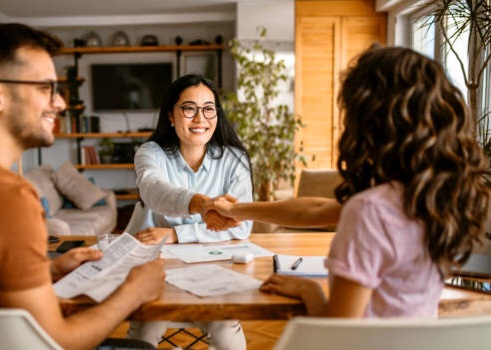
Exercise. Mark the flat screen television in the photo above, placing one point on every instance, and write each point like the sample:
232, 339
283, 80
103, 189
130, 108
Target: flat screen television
123, 87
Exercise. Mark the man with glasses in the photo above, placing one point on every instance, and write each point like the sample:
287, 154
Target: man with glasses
29, 106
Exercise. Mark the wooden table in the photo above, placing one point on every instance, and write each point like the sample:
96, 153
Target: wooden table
178, 305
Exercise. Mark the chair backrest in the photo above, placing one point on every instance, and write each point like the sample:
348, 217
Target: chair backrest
140, 219
309, 333
20, 331
318, 182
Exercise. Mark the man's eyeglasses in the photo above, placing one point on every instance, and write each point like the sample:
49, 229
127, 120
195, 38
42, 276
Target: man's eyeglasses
53, 84
191, 111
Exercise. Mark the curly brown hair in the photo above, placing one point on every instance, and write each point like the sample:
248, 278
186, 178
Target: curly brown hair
404, 121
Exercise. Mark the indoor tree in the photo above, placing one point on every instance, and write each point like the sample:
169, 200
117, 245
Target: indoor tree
471, 19
267, 128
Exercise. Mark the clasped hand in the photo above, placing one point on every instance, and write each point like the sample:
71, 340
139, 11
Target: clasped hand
215, 220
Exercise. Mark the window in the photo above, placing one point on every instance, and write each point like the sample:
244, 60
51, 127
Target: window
429, 39
423, 35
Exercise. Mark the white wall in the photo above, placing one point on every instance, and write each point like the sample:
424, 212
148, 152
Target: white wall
277, 16
397, 19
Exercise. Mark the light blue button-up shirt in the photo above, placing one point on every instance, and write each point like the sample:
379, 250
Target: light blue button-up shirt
167, 184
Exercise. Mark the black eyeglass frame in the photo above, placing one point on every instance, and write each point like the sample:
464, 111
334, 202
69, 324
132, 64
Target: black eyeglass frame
197, 111
52, 83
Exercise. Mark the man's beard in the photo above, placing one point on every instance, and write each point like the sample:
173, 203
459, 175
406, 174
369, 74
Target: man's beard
35, 142
27, 135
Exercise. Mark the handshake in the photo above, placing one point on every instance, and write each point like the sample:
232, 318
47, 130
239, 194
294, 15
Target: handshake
217, 212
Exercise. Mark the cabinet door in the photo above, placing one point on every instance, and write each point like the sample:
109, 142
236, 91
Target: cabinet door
317, 61
328, 35
357, 35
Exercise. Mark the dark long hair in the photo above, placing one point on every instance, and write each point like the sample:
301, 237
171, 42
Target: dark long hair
405, 121
224, 136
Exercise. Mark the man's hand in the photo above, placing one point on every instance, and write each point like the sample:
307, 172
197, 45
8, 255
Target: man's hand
147, 280
217, 222
72, 259
223, 205
214, 221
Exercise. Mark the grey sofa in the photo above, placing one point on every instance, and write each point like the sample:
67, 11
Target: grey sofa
63, 215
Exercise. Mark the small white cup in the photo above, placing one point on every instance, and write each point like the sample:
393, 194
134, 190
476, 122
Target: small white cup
104, 239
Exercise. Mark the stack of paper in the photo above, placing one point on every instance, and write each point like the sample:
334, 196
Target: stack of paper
312, 266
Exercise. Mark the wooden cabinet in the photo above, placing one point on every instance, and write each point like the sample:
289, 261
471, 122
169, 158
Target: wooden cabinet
328, 34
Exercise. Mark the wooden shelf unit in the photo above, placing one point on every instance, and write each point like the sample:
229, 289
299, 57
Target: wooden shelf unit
77, 53
129, 49
80, 136
129, 196
100, 135
113, 166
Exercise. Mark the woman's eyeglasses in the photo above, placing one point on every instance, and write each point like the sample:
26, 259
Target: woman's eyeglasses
53, 84
191, 111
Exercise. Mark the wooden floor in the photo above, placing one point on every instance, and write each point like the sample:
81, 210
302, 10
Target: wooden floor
260, 335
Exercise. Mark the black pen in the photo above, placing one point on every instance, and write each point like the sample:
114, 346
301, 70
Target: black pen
297, 263
275, 263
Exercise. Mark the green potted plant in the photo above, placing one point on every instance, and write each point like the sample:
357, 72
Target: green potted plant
106, 150
267, 128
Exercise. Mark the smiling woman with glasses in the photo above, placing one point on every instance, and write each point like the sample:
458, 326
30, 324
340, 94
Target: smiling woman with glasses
52, 84
194, 155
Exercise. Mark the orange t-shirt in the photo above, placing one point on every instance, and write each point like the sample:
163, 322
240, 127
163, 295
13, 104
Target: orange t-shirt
23, 235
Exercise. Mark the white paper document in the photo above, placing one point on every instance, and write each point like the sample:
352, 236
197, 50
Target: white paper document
98, 279
312, 266
193, 253
210, 280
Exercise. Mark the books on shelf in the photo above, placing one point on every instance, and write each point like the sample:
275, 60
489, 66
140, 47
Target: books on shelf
312, 266
89, 155
70, 123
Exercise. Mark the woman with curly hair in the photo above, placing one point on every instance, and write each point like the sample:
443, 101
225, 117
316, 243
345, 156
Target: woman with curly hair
413, 197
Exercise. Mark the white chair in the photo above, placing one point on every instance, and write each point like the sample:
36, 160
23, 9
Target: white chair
140, 219
20, 331
309, 333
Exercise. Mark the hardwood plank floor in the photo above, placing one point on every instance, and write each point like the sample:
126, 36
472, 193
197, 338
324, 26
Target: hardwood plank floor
260, 335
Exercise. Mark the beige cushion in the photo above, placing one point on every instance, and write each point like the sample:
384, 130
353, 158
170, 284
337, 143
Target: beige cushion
83, 193
40, 177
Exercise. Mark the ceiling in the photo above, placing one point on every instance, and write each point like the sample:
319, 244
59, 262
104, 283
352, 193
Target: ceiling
24, 9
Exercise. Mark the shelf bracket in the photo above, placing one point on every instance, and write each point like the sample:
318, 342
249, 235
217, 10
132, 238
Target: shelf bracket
178, 63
